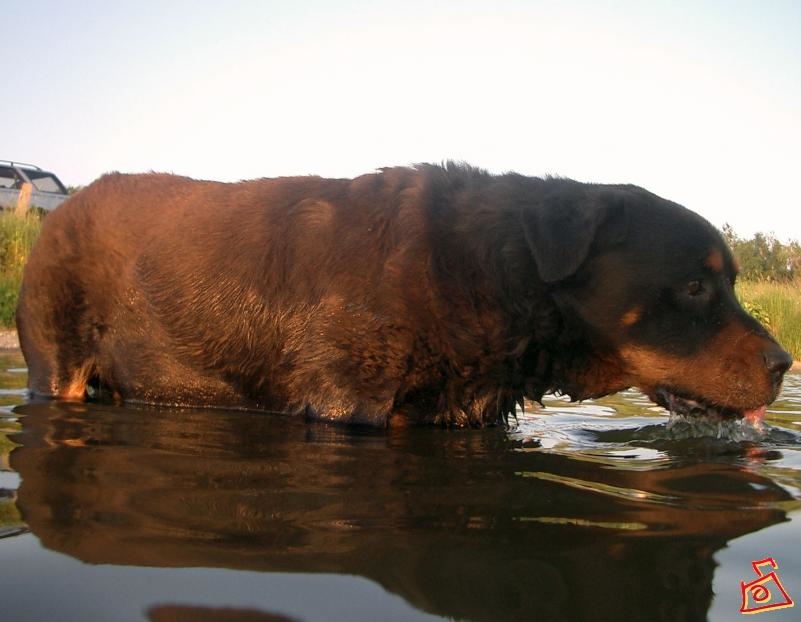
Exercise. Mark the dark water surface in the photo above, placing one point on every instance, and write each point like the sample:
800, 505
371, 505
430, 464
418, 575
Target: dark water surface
598, 511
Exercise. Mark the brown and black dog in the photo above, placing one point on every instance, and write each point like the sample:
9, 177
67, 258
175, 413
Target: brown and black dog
430, 294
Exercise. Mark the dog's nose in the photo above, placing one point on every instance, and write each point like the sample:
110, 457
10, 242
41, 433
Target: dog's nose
778, 362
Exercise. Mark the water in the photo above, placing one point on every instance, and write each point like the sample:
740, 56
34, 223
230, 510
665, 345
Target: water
594, 511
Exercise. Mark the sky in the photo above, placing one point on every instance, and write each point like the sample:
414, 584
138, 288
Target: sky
698, 101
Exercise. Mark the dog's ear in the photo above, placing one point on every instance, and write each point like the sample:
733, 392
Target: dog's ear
561, 229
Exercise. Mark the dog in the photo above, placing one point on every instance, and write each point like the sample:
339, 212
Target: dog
432, 294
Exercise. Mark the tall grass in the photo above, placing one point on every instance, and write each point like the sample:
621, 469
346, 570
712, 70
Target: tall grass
778, 306
17, 235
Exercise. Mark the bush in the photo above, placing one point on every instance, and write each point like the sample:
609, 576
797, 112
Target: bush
764, 257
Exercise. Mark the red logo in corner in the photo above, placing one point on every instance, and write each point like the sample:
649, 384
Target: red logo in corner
765, 593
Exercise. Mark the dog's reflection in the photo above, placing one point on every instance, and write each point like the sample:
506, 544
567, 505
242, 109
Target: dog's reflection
464, 525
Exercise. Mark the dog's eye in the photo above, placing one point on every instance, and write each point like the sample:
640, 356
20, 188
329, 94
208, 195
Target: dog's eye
694, 288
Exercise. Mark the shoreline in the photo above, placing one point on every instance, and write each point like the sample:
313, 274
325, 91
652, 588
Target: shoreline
10, 341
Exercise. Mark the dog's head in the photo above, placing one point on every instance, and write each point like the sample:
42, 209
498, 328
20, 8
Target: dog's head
651, 286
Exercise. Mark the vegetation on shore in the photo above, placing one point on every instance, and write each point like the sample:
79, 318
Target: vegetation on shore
764, 257
769, 285
17, 235
778, 306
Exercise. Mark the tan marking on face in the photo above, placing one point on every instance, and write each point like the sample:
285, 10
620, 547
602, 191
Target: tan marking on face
715, 260
631, 317
729, 371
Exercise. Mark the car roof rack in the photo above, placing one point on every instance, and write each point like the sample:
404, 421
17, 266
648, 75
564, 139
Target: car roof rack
23, 164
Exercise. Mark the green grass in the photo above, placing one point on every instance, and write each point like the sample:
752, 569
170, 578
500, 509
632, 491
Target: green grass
17, 235
778, 307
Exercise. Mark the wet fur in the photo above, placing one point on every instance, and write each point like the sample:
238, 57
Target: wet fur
432, 294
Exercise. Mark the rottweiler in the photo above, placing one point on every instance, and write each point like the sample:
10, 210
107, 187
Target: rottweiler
432, 294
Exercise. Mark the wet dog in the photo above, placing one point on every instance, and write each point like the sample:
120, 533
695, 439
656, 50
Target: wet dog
432, 294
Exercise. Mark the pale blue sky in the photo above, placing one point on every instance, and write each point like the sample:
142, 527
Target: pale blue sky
698, 101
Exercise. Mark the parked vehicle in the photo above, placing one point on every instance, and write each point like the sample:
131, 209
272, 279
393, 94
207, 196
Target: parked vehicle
45, 191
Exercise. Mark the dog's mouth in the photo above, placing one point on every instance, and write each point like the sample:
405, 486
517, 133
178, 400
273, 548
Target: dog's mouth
694, 407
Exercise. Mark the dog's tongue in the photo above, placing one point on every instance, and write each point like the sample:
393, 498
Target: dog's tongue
756, 416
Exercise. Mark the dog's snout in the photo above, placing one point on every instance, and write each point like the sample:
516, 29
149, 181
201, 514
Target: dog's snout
777, 361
